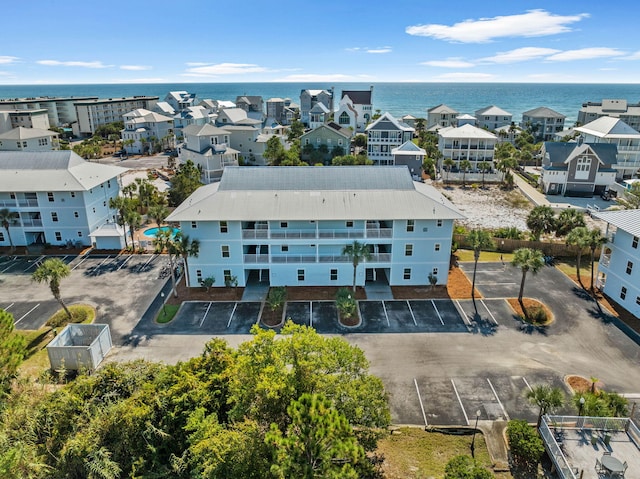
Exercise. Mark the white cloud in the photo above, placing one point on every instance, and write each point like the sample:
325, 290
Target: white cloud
353, 49
313, 77
585, 54
633, 56
380, 50
449, 63
465, 77
55, 63
227, 69
5, 60
534, 23
135, 68
520, 55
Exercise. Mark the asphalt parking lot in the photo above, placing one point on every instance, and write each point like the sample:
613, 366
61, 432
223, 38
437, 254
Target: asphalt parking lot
120, 287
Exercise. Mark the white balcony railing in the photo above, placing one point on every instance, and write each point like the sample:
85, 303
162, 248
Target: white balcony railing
31, 223
315, 234
299, 259
605, 260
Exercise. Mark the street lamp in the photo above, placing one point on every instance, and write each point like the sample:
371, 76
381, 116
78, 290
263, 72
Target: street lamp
473, 440
582, 401
164, 305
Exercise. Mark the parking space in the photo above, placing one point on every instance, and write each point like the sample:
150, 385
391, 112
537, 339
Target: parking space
324, 316
299, 312
437, 316
374, 317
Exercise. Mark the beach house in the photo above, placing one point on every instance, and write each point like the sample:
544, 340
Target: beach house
383, 136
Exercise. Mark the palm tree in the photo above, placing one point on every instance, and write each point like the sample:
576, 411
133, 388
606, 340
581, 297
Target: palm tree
164, 242
546, 398
52, 271
7, 219
527, 259
356, 252
185, 247
484, 167
567, 220
578, 237
448, 163
477, 240
121, 205
134, 220
595, 239
158, 213
541, 219
464, 166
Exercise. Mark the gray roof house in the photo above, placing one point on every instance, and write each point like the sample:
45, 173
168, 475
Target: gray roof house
543, 122
577, 169
208, 147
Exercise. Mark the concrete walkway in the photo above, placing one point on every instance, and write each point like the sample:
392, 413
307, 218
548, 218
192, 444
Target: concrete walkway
494, 437
378, 290
255, 292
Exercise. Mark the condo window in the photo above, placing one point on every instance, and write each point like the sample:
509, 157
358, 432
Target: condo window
76, 214
436, 247
410, 225
408, 250
284, 248
194, 225
73, 194
634, 243
284, 224
58, 236
300, 275
623, 292
50, 196
227, 275
224, 228
225, 251
334, 275
79, 234
199, 275
54, 216
407, 273
1, 236
349, 224
434, 271
629, 267
439, 223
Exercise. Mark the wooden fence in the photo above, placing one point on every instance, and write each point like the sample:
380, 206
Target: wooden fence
506, 245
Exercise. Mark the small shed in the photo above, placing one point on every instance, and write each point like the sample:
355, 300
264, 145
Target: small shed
108, 236
80, 346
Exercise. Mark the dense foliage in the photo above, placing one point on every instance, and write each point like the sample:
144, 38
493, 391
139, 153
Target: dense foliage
525, 445
226, 413
185, 182
464, 467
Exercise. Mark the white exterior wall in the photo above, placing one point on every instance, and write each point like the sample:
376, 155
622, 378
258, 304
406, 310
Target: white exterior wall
628, 153
614, 265
318, 254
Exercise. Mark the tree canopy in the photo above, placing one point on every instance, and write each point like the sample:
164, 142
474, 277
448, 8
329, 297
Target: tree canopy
186, 181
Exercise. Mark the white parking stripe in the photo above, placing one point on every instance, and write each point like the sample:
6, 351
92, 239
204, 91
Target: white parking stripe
36, 262
124, 262
26, 314
424, 415
527, 383
205, 314
490, 313
311, 313
7, 308
506, 415
149, 260
105, 260
411, 311
437, 312
81, 261
466, 418
464, 316
8, 267
385, 313
230, 317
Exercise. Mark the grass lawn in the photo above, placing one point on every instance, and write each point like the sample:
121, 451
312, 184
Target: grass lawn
167, 313
412, 453
568, 267
488, 256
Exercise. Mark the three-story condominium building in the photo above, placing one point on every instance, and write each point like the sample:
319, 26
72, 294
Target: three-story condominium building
619, 266
289, 225
58, 196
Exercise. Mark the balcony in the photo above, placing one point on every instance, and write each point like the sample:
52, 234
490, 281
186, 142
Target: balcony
605, 260
315, 234
299, 259
23, 203
28, 223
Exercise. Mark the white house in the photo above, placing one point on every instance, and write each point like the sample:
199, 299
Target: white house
466, 142
208, 147
354, 110
441, 116
181, 100
318, 115
28, 139
193, 115
493, 117
577, 169
619, 265
59, 197
385, 134
289, 225
608, 129
543, 122
143, 126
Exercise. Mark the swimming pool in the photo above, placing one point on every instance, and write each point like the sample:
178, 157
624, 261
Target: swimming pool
152, 232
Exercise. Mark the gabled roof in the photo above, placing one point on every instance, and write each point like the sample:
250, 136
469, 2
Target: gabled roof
466, 131
204, 130
234, 114
543, 112
442, 108
319, 108
52, 171
609, 127
493, 110
626, 220
22, 133
145, 115
560, 152
358, 97
386, 117
345, 132
327, 193
408, 148
164, 108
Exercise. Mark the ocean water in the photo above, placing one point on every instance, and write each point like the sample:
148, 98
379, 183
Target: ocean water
397, 98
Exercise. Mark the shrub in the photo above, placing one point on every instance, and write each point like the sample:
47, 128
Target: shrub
537, 315
277, 297
346, 303
509, 233
525, 445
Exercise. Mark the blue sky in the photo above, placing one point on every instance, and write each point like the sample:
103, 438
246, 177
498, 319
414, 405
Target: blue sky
133, 41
